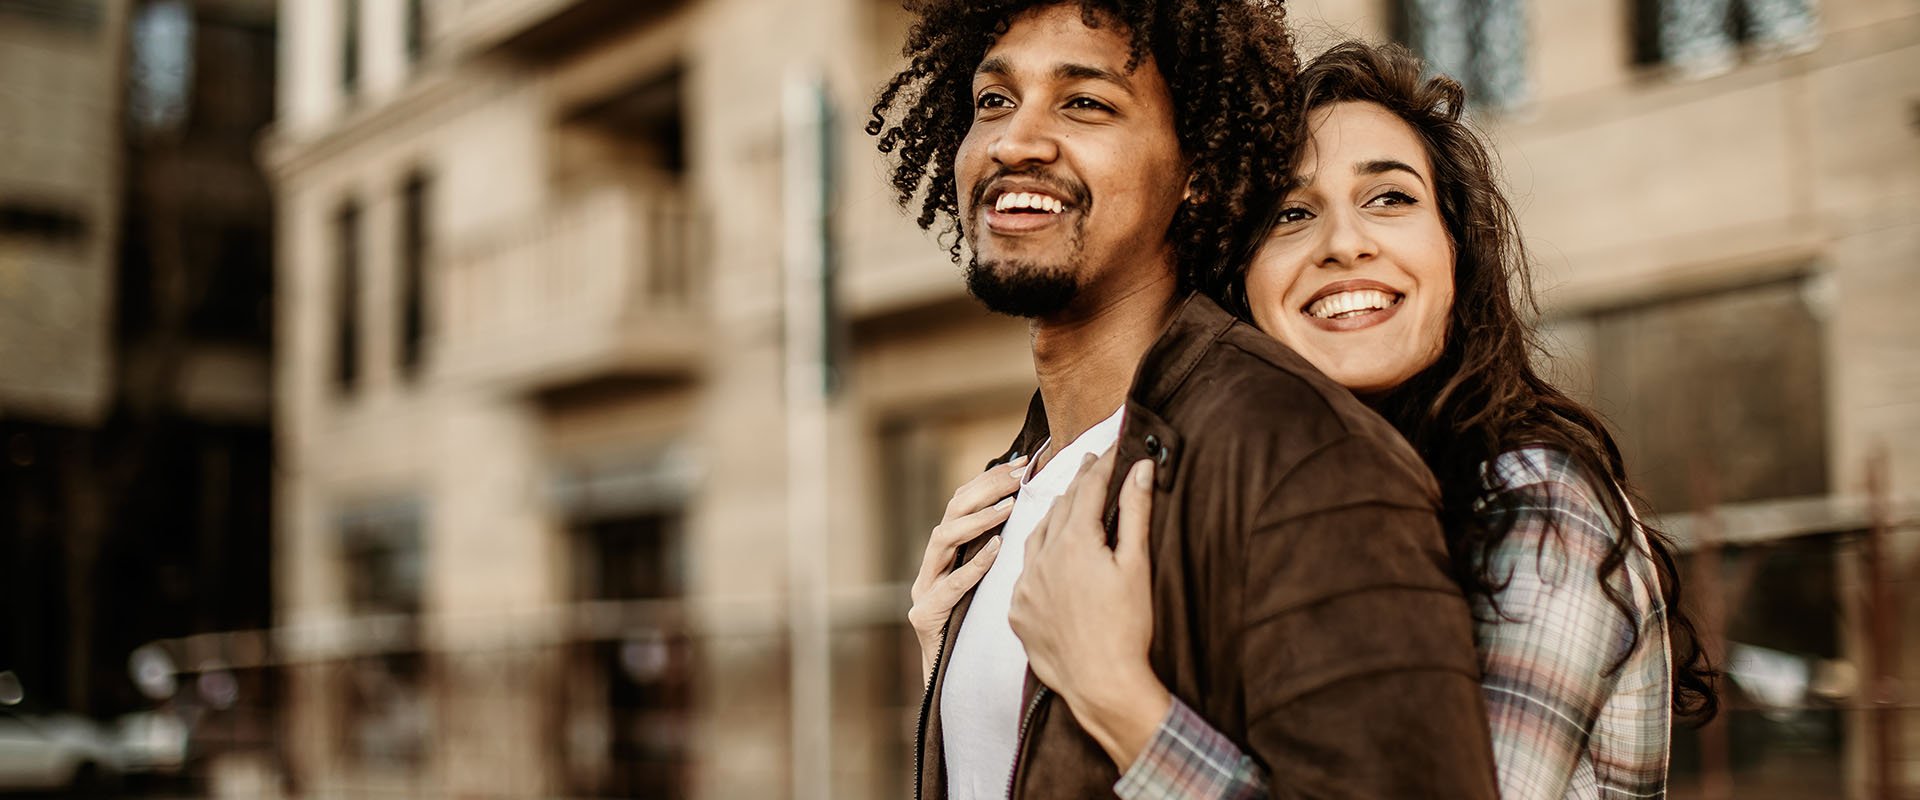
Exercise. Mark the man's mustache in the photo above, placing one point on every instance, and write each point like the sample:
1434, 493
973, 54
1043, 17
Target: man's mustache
1073, 190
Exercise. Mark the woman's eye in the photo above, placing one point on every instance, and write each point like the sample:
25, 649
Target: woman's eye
1289, 216
1088, 103
1393, 198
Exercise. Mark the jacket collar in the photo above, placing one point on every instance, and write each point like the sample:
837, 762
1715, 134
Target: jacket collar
1195, 326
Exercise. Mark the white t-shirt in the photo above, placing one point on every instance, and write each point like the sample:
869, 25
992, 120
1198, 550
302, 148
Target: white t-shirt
980, 702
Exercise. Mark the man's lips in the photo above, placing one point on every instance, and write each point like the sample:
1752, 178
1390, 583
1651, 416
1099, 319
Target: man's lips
1018, 204
1013, 223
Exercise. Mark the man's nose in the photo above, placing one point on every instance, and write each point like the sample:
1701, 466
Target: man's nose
1027, 139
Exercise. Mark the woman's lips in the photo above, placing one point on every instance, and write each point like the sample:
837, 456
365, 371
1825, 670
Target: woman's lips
1352, 304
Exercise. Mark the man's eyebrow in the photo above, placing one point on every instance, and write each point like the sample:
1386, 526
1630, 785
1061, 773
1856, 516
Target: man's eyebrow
1088, 72
998, 67
994, 66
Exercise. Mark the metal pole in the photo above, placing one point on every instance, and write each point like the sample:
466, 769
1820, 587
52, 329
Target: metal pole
1716, 776
1883, 691
808, 465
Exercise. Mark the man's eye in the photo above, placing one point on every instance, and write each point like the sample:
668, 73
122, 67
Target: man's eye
1289, 216
993, 100
1088, 104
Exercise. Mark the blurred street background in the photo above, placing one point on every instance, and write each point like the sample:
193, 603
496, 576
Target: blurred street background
543, 398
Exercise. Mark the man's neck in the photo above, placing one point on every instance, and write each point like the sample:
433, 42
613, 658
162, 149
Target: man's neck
1086, 361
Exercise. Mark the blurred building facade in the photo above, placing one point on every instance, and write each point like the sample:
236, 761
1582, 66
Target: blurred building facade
532, 470
135, 302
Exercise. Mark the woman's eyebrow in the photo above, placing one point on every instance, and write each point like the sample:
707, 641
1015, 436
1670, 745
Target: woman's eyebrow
1380, 165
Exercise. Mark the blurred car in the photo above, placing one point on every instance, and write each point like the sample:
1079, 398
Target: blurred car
151, 742
56, 751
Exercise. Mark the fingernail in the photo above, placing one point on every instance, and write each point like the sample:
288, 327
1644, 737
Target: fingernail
993, 543
1019, 473
1143, 473
1018, 458
1088, 459
1004, 502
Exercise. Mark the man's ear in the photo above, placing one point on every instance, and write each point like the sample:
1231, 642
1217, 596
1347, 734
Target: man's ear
1191, 194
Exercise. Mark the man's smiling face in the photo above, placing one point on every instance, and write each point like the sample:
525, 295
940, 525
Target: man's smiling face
1071, 172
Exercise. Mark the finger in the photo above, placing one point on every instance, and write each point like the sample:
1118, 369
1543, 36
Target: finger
1089, 501
986, 488
1136, 506
948, 536
958, 582
1074, 486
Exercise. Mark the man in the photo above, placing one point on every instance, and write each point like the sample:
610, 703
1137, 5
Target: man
1096, 156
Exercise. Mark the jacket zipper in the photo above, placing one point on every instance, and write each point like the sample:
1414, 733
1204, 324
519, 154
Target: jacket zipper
1020, 743
926, 707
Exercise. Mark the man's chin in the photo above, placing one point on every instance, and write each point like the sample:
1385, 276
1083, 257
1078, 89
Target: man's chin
1020, 289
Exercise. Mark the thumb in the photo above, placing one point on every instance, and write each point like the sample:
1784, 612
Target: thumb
1136, 506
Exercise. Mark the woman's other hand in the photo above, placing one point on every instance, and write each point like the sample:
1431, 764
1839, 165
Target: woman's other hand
1084, 612
977, 506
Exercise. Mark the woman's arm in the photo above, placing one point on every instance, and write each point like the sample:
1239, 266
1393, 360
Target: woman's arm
1548, 656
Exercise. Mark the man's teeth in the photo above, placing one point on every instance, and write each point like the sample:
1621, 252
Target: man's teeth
1351, 303
1028, 201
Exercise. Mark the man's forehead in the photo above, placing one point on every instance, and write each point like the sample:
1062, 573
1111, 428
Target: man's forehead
1042, 40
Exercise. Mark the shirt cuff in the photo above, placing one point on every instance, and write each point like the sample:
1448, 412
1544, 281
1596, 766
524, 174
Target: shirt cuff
1187, 758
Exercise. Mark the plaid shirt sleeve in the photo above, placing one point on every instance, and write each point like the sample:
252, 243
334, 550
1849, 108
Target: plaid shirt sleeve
1187, 758
1547, 656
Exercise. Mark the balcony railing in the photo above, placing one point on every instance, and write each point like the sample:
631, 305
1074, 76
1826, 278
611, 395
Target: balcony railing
604, 285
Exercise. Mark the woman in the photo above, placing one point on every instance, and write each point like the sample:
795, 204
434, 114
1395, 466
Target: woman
1388, 267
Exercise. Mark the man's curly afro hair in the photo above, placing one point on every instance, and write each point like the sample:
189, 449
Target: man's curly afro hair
1230, 65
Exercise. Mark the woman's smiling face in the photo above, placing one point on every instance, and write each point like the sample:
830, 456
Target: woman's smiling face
1357, 274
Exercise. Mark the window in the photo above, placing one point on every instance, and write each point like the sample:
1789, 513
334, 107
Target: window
416, 34
629, 699
1480, 43
1738, 413
381, 545
413, 267
346, 297
350, 46
1702, 37
160, 72
388, 718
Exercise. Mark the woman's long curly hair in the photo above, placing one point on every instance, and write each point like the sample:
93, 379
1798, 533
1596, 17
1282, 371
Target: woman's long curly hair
1483, 397
1229, 64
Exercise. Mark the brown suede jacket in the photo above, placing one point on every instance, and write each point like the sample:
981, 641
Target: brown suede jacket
1301, 601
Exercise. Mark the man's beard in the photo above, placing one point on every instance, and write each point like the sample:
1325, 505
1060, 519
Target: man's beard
1028, 289
1022, 289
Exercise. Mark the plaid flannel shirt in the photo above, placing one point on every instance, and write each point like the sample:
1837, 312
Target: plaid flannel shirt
1564, 724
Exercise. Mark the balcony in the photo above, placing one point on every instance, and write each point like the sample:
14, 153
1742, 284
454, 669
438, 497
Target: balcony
540, 29
604, 288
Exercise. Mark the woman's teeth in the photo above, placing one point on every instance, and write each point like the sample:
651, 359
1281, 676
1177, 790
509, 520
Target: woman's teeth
1341, 305
1025, 201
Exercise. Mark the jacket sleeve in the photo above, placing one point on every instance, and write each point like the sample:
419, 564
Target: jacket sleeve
1355, 647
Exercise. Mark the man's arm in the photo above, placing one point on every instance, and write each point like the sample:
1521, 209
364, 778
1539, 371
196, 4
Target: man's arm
1356, 648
